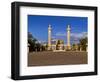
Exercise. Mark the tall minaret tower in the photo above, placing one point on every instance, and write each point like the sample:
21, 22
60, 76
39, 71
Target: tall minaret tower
49, 37
68, 38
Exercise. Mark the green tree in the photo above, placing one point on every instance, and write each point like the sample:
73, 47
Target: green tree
83, 43
32, 42
73, 46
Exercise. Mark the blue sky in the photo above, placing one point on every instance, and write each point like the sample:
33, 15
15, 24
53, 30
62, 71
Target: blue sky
38, 26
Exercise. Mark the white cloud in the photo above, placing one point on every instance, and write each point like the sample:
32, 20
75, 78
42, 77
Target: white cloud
79, 35
75, 35
60, 34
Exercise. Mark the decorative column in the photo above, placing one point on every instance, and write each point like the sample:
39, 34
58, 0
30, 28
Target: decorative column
49, 37
68, 38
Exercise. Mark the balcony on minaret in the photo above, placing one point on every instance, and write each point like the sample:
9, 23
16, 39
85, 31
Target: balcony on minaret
68, 28
49, 27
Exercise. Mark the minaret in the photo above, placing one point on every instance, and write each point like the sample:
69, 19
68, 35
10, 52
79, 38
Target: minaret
68, 38
49, 37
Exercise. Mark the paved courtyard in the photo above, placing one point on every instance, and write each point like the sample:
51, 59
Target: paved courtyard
57, 58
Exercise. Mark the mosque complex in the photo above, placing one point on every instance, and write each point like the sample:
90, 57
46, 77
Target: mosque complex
59, 44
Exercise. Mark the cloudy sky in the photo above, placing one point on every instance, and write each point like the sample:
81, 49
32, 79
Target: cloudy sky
38, 26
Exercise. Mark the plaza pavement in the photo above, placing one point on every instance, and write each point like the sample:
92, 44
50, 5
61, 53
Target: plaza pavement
46, 58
